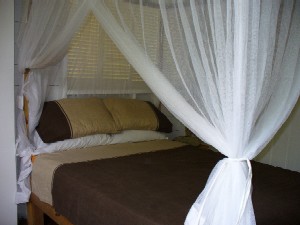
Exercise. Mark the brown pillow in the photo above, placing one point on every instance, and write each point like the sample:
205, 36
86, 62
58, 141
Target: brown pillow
133, 114
73, 118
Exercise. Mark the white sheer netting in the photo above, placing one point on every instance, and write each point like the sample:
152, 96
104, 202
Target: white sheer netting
228, 70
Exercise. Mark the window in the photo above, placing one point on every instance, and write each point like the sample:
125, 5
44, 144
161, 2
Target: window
95, 64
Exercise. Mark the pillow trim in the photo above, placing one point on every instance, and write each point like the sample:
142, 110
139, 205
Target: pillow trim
67, 118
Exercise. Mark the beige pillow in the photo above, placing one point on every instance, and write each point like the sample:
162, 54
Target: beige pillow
133, 114
73, 118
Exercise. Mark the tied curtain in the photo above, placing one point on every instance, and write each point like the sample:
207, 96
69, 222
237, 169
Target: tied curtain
228, 70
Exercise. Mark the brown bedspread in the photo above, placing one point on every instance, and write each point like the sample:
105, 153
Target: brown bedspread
160, 187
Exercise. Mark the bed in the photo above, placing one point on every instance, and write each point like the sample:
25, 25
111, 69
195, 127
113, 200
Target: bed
129, 190
150, 180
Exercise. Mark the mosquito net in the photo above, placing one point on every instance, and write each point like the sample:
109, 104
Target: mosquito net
228, 70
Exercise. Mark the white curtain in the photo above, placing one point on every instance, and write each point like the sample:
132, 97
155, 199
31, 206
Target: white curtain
228, 70
235, 81
43, 43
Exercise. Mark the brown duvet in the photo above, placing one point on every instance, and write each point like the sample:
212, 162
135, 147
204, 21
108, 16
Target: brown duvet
160, 187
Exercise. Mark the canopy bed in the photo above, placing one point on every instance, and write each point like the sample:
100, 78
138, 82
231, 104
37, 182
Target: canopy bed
228, 70
128, 189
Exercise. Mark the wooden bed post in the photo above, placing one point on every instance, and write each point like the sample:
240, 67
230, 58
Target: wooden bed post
35, 215
25, 100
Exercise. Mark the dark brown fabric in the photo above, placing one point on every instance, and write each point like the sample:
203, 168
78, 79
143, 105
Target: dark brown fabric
164, 124
276, 195
160, 187
53, 125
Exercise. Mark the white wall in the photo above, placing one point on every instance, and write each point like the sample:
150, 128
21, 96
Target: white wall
284, 148
8, 208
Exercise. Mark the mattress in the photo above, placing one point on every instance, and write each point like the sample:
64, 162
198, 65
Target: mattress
156, 187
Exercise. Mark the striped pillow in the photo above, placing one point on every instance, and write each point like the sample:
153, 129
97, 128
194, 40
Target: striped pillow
73, 118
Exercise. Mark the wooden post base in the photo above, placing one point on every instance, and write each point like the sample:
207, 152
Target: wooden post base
36, 210
35, 216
